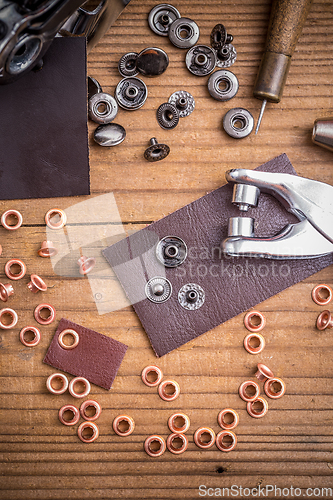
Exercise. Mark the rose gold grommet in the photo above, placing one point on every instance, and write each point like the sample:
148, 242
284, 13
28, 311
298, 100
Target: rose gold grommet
9, 313
270, 388
324, 320
55, 214
179, 423
47, 249
159, 443
254, 321
36, 284
71, 333
258, 339
204, 437
222, 441
263, 372
15, 276
36, 336
70, 409
86, 264
246, 394
322, 294
72, 390
175, 439
40, 319
253, 411
90, 403
152, 375
123, 425
93, 428
5, 291
16, 214
228, 419
169, 390
59, 376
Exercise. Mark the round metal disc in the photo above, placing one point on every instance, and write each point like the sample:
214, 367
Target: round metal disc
226, 56
102, 108
158, 289
127, 64
111, 134
152, 61
238, 123
180, 96
161, 17
184, 33
171, 251
191, 296
131, 93
200, 60
167, 116
222, 85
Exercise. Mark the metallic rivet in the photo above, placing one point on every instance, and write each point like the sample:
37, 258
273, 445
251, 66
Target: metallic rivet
36, 336
253, 412
131, 93
324, 320
93, 87
238, 123
191, 296
36, 284
152, 61
161, 17
158, 289
75, 415
322, 294
90, 403
55, 218
254, 321
6, 290
102, 108
244, 390
109, 135
245, 196
223, 85
270, 389
22, 269
40, 319
171, 251
166, 394
219, 37
184, 33
263, 372
16, 214
127, 64
156, 151
260, 343
179, 423
221, 443
175, 438
88, 425
183, 101
226, 56
64, 383
86, 264
9, 313
200, 60
74, 393
241, 226
228, 419
167, 116
129, 424
150, 450
47, 249
152, 375
198, 437
72, 333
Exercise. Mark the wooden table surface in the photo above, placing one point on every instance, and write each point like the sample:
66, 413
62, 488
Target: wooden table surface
292, 445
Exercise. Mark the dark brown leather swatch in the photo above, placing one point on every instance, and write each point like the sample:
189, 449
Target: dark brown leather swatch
96, 357
231, 285
43, 127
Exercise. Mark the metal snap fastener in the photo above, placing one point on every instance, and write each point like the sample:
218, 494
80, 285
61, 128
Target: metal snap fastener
184, 33
152, 61
238, 123
167, 116
200, 60
191, 296
245, 196
226, 56
131, 93
171, 251
110, 134
183, 101
161, 16
219, 37
223, 85
94, 87
241, 226
158, 289
156, 151
127, 64
102, 108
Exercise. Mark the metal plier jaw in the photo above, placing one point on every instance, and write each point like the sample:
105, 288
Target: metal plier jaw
310, 201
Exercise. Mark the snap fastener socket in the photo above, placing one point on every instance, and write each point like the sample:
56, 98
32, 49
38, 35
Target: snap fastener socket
241, 226
171, 251
158, 289
167, 115
127, 64
183, 101
102, 108
156, 151
223, 85
161, 17
184, 33
131, 93
200, 60
152, 61
238, 123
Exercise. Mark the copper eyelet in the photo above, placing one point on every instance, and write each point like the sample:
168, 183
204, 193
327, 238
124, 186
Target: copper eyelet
199, 434
269, 388
220, 441
16, 214
15, 276
171, 441
72, 390
70, 408
12, 314
322, 294
59, 376
263, 372
228, 419
34, 331
244, 394
51, 214
150, 371
179, 423
36, 284
258, 324
255, 413
155, 439
71, 333
162, 390
249, 347
129, 423
5, 291
47, 249
90, 403
324, 320
86, 264
88, 425
40, 319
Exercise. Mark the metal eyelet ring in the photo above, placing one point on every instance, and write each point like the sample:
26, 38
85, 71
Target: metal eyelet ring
191, 296
238, 123
51, 218
263, 372
176, 438
183, 101
15, 276
161, 17
88, 425
255, 413
131, 93
226, 56
72, 409
322, 295
324, 320
254, 321
167, 116
71, 333
166, 396
160, 442
36, 336
228, 419
86, 264
223, 85
221, 443
6, 291
200, 60
203, 443
245, 394
179, 423
260, 343
90, 403
171, 251
72, 390
48, 320
158, 289
127, 64
5, 216
47, 249
102, 108
59, 376
184, 33
270, 389
9, 313
123, 425
36, 284
152, 376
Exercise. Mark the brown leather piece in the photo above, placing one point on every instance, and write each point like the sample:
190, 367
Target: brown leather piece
43, 127
96, 357
231, 285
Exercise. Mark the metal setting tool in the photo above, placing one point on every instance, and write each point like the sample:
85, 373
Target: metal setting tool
322, 133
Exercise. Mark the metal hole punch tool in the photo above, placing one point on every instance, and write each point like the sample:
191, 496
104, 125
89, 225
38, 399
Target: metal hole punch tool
309, 200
